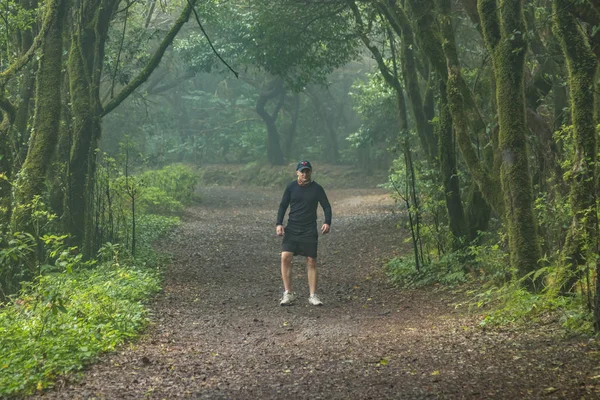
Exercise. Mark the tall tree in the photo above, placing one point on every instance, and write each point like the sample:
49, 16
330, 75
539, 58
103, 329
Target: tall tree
446, 149
582, 237
32, 176
504, 29
276, 92
10, 113
296, 44
85, 65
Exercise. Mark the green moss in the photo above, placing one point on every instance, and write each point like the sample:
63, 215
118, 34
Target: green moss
502, 28
582, 66
32, 177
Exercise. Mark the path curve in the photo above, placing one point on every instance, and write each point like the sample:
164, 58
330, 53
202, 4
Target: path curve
219, 333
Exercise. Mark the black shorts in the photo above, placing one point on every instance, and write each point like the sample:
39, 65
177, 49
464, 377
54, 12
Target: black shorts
307, 249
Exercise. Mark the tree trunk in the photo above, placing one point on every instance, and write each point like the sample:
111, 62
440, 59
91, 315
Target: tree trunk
85, 71
291, 131
478, 209
331, 152
392, 78
581, 240
20, 133
465, 115
6, 163
449, 172
14, 122
85, 68
503, 28
401, 25
276, 90
31, 179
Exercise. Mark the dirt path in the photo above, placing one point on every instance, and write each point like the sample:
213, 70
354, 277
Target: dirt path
219, 333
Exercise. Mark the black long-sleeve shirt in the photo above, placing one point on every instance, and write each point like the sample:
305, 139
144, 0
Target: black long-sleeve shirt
303, 202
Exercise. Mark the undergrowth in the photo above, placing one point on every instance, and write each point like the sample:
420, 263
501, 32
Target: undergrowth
62, 321
482, 272
402, 273
501, 299
67, 311
512, 305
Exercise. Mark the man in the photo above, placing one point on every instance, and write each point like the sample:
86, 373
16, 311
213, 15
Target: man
300, 236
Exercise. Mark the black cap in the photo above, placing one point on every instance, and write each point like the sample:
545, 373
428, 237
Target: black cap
303, 165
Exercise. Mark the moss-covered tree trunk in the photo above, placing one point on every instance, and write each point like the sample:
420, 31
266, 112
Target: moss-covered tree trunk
20, 133
436, 39
6, 164
31, 179
581, 238
86, 58
503, 27
431, 42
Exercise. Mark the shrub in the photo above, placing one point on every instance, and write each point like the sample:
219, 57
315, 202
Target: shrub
511, 304
447, 271
64, 320
155, 200
178, 180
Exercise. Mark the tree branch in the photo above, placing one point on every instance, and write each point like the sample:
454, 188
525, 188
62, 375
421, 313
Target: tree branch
154, 61
15, 67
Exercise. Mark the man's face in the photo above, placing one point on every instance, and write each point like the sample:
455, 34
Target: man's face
304, 175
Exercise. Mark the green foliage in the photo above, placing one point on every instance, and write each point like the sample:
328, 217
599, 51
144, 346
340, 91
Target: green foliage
299, 42
63, 321
157, 201
15, 17
447, 271
16, 253
375, 103
429, 207
564, 137
164, 191
24, 255
489, 259
178, 181
150, 228
511, 304
553, 213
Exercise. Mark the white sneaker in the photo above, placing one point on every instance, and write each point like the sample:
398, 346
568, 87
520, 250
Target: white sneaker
287, 299
314, 300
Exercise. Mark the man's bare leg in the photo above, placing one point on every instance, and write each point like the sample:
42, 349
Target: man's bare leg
286, 270
311, 264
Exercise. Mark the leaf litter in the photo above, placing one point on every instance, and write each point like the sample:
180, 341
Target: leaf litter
218, 331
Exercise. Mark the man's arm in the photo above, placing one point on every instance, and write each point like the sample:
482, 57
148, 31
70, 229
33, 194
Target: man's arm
283, 205
327, 210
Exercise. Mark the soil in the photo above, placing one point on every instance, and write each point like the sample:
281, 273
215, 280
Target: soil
218, 331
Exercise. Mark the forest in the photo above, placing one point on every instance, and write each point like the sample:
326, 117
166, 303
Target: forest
478, 118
